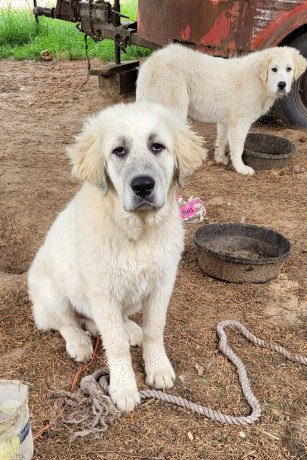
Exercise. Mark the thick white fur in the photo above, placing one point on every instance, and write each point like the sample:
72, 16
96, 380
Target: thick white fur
105, 263
231, 92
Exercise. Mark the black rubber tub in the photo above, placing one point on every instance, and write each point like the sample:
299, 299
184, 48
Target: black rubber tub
265, 151
241, 253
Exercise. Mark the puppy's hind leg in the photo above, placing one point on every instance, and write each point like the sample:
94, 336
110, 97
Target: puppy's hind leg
52, 310
236, 138
134, 331
90, 326
221, 143
78, 342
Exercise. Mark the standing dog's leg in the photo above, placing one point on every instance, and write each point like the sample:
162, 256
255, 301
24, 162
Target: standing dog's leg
221, 143
159, 371
109, 320
236, 138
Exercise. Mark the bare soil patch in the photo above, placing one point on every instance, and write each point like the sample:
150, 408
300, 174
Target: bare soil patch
42, 106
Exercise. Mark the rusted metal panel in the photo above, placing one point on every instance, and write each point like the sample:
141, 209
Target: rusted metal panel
275, 20
220, 27
206, 24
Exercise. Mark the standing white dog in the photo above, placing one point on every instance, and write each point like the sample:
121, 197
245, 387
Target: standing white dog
116, 246
231, 92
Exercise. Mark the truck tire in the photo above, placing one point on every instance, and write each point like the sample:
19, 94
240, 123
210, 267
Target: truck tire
293, 107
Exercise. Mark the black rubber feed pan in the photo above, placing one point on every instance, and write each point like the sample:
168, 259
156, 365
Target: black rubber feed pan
241, 253
265, 151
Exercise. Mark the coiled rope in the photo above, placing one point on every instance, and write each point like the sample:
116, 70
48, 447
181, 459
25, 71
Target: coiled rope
102, 377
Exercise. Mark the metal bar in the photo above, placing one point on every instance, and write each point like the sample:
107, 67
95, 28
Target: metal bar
116, 17
42, 11
117, 52
111, 69
116, 22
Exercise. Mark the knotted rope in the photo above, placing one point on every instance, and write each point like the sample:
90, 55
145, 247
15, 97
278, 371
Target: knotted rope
95, 387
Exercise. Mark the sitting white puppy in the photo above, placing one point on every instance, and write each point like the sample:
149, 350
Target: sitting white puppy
116, 247
233, 93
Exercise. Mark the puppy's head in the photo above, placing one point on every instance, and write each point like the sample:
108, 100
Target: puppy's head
140, 149
279, 67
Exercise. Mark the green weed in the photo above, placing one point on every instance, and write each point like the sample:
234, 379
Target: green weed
21, 37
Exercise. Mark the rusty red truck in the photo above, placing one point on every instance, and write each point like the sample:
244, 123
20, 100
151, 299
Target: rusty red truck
219, 27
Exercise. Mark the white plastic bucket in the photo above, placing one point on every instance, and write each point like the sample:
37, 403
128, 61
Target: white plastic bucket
16, 441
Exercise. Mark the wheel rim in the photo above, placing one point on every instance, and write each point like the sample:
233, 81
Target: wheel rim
300, 93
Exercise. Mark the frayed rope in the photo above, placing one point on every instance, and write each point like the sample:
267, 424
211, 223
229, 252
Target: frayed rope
92, 407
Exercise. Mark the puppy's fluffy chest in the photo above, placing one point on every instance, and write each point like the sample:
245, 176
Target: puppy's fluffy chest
123, 260
134, 274
122, 254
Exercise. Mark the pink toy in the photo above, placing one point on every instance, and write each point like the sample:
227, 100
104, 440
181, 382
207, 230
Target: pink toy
193, 210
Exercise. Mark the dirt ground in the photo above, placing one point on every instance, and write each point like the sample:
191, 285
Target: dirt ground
42, 106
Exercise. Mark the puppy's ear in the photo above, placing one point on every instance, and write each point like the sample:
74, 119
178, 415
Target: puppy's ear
300, 64
263, 66
189, 153
87, 158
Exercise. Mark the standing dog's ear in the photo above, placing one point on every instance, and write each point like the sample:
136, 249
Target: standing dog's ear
263, 66
189, 153
300, 64
87, 159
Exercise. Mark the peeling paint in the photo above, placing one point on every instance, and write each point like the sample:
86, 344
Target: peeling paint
220, 27
218, 31
186, 33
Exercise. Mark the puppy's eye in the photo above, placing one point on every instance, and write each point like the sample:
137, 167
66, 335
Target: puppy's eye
157, 148
288, 69
274, 69
119, 151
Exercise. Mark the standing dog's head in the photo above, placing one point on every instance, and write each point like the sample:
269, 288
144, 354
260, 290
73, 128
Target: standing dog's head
278, 67
140, 150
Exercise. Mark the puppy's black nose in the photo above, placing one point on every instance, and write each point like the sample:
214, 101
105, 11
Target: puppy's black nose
282, 85
142, 185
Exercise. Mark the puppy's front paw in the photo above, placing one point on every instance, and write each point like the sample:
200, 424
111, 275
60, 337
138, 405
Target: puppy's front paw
125, 398
246, 170
80, 348
221, 158
161, 377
